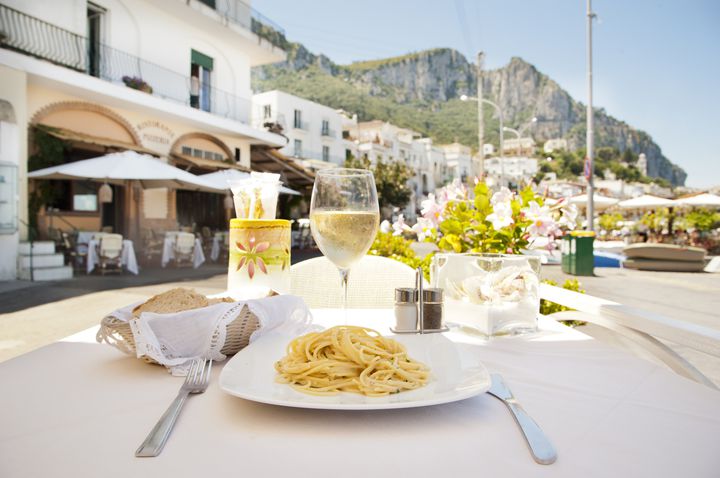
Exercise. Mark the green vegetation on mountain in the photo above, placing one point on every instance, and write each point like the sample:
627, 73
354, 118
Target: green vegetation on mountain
421, 91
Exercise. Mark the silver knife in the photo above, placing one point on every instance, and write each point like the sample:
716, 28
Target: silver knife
542, 450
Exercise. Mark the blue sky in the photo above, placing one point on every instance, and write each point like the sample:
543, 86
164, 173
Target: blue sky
656, 62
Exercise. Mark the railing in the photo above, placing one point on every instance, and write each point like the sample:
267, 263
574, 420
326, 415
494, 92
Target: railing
29, 35
303, 125
244, 15
330, 133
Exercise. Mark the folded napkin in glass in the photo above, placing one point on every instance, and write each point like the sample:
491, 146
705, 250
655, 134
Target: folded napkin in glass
211, 332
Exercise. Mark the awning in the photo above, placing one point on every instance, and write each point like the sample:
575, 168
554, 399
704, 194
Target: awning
77, 137
202, 163
270, 160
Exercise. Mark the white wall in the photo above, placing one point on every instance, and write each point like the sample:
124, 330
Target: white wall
283, 106
141, 29
67, 14
13, 150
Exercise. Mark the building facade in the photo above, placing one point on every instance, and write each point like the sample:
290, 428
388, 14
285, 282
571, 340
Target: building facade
313, 131
170, 78
515, 169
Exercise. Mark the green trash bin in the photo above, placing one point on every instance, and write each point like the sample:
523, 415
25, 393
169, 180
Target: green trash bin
581, 261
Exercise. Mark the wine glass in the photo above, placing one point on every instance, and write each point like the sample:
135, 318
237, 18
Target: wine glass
344, 217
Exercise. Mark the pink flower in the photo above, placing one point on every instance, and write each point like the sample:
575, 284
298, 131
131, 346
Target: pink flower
399, 226
502, 196
432, 210
542, 221
423, 228
501, 216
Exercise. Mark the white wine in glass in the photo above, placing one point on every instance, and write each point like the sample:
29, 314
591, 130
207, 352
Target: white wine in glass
344, 217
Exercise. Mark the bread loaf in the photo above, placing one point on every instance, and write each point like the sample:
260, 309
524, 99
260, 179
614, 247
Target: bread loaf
176, 300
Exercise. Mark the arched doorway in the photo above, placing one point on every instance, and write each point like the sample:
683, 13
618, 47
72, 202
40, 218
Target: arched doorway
70, 131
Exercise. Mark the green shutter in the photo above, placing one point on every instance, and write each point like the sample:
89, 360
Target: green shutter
198, 58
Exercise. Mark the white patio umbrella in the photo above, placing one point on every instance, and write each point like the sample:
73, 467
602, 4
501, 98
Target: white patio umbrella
117, 168
646, 201
221, 180
600, 202
704, 199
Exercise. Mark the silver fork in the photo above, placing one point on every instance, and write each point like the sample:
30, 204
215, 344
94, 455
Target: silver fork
197, 381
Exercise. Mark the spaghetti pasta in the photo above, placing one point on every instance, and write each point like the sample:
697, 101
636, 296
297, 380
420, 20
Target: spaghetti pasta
349, 359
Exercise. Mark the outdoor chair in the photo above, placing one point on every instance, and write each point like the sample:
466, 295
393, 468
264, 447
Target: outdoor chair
110, 253
639, 332
371, 284
152, 245
184, 248
73, 256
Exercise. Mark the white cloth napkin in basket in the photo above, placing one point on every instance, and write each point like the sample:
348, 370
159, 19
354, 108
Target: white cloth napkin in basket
174, 340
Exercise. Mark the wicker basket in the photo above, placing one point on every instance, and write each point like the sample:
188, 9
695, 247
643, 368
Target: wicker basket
118, 333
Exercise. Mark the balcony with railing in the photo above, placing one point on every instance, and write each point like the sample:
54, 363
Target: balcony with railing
301, 125
328, 132
31, 36
240, 13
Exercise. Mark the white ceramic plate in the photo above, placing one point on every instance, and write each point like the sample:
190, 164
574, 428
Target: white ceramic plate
457, 374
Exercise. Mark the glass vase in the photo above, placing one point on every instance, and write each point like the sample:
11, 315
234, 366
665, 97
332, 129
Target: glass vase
491, 294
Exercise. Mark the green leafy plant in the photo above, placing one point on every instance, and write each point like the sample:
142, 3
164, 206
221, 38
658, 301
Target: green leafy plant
390, 179
702, 219
46, 151
398, 248
547, 307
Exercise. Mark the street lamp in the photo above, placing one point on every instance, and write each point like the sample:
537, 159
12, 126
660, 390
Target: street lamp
500, 115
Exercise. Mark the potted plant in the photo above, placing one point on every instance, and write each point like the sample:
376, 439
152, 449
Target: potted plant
137, 83
489, 286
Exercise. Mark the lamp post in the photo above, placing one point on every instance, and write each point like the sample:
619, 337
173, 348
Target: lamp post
500, 115
589, 167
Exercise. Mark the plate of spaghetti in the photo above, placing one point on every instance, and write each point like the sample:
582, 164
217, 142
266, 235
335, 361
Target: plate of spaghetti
355, 368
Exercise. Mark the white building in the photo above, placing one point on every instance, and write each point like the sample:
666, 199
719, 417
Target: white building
166, 77
556, 144
515, 169
519, 145
314, 131
458, 159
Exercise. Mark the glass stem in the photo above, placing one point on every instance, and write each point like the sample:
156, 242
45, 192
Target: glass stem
344, 274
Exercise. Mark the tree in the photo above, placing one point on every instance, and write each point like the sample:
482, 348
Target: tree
391, 180
628, 156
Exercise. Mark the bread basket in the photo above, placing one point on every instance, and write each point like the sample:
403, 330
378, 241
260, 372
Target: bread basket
117, 333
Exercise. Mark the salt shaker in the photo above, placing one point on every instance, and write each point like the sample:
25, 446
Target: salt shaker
405, 309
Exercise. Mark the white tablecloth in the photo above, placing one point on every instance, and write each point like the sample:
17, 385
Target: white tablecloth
168, 253
127, 256
80, 409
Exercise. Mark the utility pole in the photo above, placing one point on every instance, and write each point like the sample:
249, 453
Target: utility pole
481, 118
589, 166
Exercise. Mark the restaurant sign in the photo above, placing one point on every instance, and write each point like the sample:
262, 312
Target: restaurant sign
156, 136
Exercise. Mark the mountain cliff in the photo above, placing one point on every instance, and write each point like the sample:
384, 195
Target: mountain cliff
422, 90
